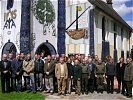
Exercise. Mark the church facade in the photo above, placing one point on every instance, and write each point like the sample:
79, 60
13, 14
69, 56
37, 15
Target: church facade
31, 26
35, 26
107, 33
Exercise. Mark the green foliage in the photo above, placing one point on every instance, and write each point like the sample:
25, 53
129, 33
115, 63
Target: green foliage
43, 11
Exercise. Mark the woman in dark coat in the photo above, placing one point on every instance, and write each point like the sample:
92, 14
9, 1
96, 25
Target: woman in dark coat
120, 67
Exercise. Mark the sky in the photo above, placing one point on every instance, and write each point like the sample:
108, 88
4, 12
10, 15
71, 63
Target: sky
123, 7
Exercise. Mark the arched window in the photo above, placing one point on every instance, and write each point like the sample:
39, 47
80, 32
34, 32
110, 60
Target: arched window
103, 29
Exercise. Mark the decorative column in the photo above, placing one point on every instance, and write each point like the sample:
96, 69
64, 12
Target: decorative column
115, 56
61, 27
91, 27
105, 49
122, 53
25, 27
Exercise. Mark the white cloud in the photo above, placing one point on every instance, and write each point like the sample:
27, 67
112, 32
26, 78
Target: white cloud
122, 9
118, 1
130, 23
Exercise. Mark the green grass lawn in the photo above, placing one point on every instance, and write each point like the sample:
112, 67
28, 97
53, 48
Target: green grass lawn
20, 96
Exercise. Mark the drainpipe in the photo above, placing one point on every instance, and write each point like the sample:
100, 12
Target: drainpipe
129, 43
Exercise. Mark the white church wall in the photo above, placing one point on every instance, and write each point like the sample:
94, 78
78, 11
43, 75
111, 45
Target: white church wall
76, 46
96, 34
38, 30
124, 43
0, 27
118, 46
13, 32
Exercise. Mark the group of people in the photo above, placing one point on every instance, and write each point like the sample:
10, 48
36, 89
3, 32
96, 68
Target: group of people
64, 75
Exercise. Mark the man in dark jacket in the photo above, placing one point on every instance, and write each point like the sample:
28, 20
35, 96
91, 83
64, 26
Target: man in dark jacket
10, 58
91, 67
49, 69
5, 74
39, 66
16, 68
70, 75
128, 77
110, 73
120, 67
77, 77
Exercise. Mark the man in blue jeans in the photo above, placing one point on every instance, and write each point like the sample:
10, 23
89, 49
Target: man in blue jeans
16, 68
28, 67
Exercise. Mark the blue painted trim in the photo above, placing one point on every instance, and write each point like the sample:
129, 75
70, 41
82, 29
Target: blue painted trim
91, 33
25, 27
61, 48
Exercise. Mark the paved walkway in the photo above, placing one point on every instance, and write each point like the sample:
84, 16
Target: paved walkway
90, 96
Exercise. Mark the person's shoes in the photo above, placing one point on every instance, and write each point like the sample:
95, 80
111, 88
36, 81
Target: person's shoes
59, 94
18, 91
34, 92
108, 92
28, 91
92, 91
51, 93
123, 93
47, 91
129, 96
86, 93
64, 94
118, 91
111, 92
40, 88
82, 93
78, 94
101, 92
3, 92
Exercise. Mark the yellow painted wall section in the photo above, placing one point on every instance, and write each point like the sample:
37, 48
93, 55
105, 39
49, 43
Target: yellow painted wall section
99, 50
127, 45
111, 50
71, 48
119, 53
77, 48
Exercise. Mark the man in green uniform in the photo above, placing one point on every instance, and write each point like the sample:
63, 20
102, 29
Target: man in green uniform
128, 77
100, 70
95, 60
85, 76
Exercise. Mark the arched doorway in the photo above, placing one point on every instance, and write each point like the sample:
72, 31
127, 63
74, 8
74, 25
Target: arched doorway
46, 48
9, 47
